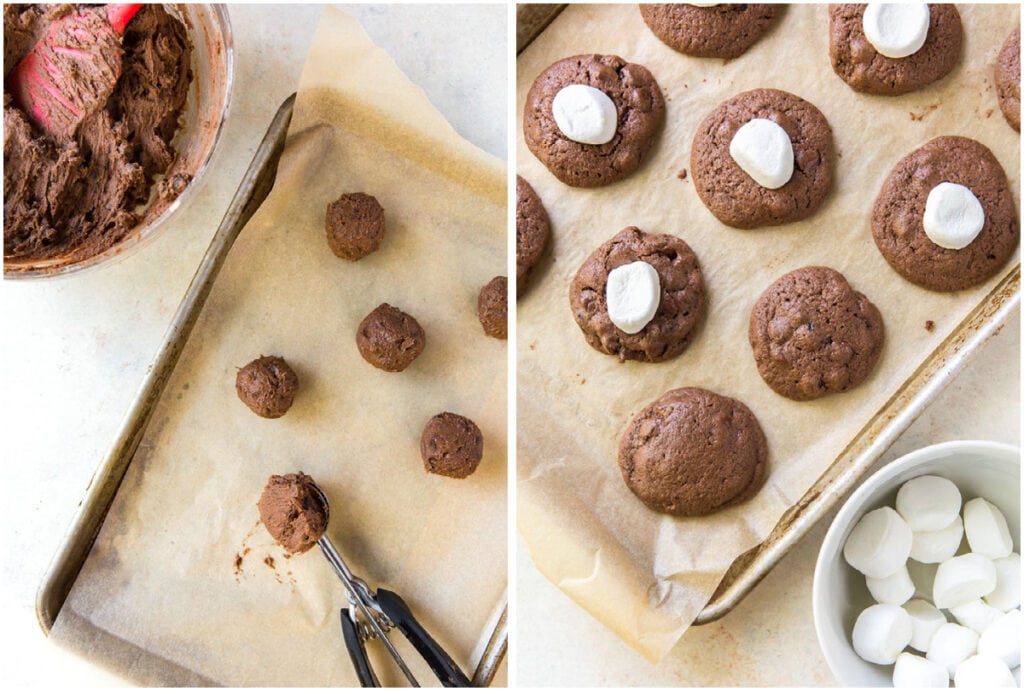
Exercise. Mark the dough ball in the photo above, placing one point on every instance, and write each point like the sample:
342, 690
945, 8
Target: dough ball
267, 385
355, 225
451, 445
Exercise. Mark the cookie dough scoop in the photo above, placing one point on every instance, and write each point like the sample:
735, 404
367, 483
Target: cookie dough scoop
69, 74
372, 614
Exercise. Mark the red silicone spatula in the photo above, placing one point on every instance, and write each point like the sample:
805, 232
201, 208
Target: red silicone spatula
71, 71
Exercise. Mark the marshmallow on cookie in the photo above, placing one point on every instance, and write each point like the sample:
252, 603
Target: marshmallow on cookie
585, 114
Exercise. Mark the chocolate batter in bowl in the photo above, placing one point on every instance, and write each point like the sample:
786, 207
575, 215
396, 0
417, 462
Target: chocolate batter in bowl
161, 179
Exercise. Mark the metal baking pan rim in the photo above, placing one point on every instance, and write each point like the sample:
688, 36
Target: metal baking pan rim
857, 459
891, 420
77, 543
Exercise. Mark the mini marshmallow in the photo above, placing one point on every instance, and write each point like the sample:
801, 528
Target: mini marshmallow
585, 114
987, 532
896, 30
983, 672
953, 216
633, 293
763, 150
926, 620
962, 579
923, 576
951, 645
934, 546
892, 590
881, 633
976, 615
928, 503
915, 672
1006, 596
879, 543
1002, 639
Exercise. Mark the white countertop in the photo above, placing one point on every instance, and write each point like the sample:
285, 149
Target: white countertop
76, 349
72, 368
769, 639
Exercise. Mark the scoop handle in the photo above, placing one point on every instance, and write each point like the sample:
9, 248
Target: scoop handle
447, 672
119, 14
357, 651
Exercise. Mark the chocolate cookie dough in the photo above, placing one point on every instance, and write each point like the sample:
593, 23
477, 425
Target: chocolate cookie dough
722, 31
693, 452
390, 339
814, 335
680, 310
730, 193
292, 511
71, 196
492, 307
897, 218
866, 70
451, 445
532, 231
355, 225
267, 385
640, 111
1008, 79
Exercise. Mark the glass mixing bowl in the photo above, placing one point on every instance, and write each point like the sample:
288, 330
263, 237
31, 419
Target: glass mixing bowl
202, 122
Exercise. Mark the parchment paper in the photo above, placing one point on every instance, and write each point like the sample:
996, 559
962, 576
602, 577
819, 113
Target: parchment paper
162, 576
644, 575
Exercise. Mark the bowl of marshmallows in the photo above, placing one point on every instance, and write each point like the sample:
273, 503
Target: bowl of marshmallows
918, 580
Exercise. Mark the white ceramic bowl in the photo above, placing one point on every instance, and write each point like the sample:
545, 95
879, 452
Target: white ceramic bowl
978, 468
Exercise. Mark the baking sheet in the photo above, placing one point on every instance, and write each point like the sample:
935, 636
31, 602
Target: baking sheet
182, 580
647, 576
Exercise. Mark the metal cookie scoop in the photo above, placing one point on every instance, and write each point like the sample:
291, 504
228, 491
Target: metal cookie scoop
374, 614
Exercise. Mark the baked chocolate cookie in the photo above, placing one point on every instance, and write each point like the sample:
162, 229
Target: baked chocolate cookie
492, 307
1008, 79
532, 232
860, 65
680, 309
640, 111
390, 339
897, 220
451, 445
292, 511
814, 335
693, 452
355, 225
267, 385
734, 197
721, 31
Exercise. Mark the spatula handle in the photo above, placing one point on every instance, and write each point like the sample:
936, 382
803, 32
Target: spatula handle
119, 14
